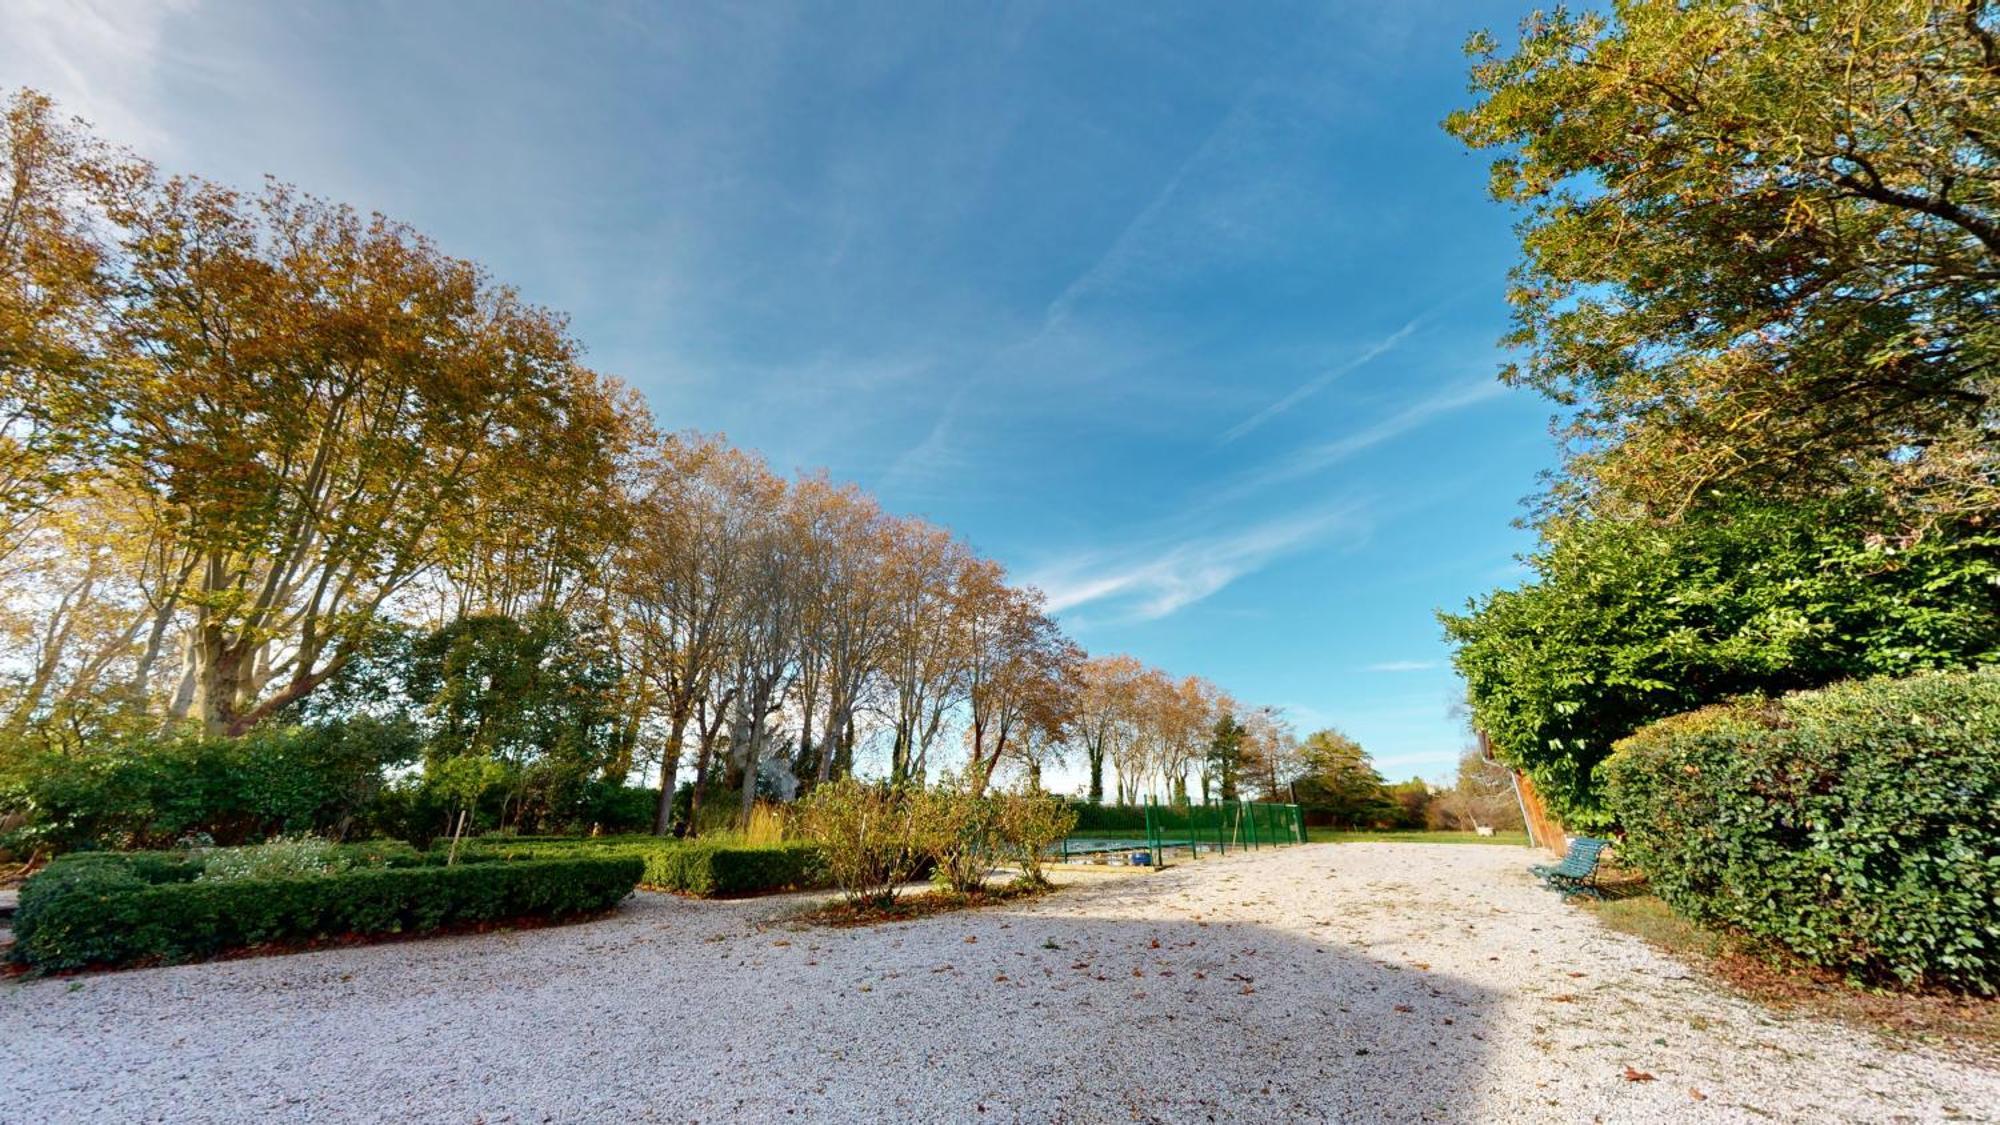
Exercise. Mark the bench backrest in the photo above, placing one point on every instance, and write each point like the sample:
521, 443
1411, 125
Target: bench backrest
1582, 857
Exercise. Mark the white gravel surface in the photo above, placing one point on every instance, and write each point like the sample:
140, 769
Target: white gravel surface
1350, 982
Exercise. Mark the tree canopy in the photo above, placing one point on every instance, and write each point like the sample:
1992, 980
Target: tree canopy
1760, 254
1761, 244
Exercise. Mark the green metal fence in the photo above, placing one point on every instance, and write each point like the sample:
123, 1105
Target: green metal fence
1190, 831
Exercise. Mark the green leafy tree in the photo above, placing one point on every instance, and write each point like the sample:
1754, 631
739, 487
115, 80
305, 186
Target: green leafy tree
1630, 621
1761, 244
539, 695
1225, 757
1338, 782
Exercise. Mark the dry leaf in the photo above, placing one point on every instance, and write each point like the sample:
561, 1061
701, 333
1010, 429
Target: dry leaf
1633, 1075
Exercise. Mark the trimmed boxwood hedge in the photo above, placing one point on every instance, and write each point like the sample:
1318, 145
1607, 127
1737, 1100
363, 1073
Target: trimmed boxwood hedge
1857, 826
694, 867
100, 909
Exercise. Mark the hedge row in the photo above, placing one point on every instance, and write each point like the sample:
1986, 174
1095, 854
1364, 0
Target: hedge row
1108, 818
1858, 826
693, 867
97, 909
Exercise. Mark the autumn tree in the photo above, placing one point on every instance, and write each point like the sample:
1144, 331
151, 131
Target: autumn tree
924, 655
1761, 245
1106, 701
844, 542
1021, 672
327, 406
56, 286
681, 578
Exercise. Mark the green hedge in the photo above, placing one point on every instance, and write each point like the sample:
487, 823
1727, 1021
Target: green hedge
1857, 826
98, 909
1108, 818
694, 867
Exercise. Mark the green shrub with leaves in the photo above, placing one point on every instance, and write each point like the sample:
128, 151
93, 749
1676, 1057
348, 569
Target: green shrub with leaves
960, 832
98, 909
151, 792
702, 868
1092, 816
1031, 822
866, 835
1626, 622
1857, 826
282, 858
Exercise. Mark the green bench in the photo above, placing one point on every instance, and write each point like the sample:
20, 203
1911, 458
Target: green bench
1577, 873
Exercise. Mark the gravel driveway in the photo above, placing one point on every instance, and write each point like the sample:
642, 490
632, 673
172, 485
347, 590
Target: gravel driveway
1354, 982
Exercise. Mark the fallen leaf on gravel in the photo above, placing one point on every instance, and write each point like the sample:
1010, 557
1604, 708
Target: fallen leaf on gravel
1697, 1095
999, 978
1404, 1008
1246, 990
1423, 965
781, 941
971, 939
1576, 974
1632, 1075
1154, 944
1081, 965
1563, 998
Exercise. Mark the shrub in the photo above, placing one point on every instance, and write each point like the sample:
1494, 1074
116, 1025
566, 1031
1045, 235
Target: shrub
284, 857
959, 831
1857, 826
1030, 823
735, 869
99, 909
696, 867
151, 792
1092, 817
864, 832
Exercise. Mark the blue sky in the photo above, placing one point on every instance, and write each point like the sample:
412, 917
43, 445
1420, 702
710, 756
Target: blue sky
1185, 313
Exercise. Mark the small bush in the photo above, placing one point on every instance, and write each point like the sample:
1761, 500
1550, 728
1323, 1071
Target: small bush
283, 858
1030, 823
959, 831
1857, 827
98, 909
865, 833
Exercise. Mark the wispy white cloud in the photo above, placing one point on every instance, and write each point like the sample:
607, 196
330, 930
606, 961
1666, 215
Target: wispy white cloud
98, 59
1402, 666
1154, 579
1319, 383
1310, 459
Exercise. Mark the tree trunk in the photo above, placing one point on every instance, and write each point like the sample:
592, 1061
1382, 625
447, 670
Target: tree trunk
670, 764
751, 745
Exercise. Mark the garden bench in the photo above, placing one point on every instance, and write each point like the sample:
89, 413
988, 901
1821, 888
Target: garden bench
1577, 873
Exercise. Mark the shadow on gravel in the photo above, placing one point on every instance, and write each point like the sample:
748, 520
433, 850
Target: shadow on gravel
992, 1016
1171, 1021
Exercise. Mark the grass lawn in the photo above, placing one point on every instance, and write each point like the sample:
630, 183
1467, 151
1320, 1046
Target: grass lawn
1345, 836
